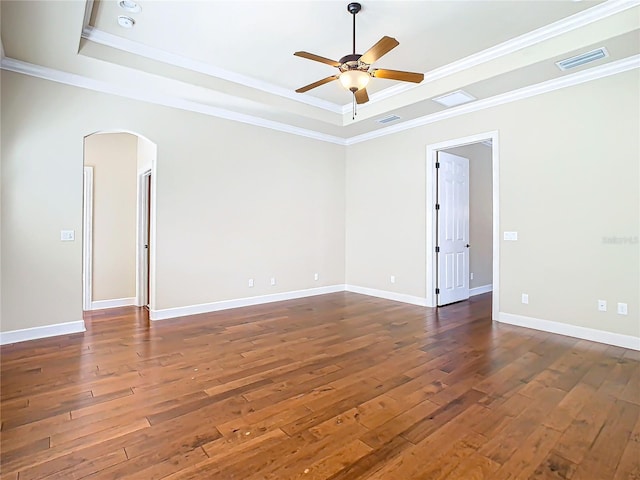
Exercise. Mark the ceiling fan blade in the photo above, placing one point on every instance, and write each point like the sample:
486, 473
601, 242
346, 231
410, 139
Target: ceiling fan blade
398, 75
362, 96
306, 88
384, 46
317, 58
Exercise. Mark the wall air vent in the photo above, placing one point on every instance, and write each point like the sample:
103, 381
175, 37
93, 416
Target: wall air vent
454, 98
388, 119
583, 58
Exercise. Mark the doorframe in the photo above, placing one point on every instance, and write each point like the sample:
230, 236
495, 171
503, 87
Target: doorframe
431, 200
143, 204
87, 243
87, 228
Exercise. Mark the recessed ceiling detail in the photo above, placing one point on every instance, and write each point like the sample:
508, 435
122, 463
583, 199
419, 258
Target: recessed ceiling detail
454, 99
222, 58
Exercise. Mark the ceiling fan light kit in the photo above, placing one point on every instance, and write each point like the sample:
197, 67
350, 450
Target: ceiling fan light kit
355, 69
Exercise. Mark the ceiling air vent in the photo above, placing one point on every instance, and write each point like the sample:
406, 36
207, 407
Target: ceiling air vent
388, 119
454, 98
581, 59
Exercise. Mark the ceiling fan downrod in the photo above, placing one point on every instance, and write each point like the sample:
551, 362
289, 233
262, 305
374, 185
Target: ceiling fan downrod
353, 8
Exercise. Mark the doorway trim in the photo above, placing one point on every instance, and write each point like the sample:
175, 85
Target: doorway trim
87, 231
431, 200
143, 268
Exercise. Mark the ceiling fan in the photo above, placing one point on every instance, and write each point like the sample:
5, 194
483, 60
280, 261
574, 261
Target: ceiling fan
355, 69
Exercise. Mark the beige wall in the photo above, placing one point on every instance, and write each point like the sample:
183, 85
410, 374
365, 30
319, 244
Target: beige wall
114, 158
568, 178
480, 211
233, 202
237, 202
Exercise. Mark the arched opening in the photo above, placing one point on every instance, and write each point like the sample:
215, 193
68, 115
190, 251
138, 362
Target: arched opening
118, 220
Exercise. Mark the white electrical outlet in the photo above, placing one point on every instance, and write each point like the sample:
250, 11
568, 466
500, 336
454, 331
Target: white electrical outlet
622, 308
602, 305
511, 236
273, 281
316, 276
251, 283
67, 235
392, 279
525, 298
471, 275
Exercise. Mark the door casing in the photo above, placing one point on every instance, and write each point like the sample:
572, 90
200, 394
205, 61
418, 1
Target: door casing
431, 157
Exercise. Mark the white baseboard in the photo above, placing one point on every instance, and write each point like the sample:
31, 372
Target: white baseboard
166, 313
15, 336
398, 297
600, 336
480, 290
116, 302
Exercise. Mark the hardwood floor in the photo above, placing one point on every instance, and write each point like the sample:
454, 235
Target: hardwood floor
339, 386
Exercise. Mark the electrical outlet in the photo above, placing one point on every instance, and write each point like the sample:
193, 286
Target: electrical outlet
392, 279
471, 274
316, 276
251, 283
273, 281
602, 305
511, 236
67, 235
622, 308
525, 298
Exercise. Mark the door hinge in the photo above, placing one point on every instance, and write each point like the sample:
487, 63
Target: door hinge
437, 206
437, 164
437, 249
437, 291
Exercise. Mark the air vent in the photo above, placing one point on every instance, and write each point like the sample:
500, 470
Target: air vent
582, 59
388, 119
454, 98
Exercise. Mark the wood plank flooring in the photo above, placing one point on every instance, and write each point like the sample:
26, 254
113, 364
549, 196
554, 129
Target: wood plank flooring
338, 386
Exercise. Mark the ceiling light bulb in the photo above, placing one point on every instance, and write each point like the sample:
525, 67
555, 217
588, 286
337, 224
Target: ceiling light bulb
126, 22
130, 6
354, 80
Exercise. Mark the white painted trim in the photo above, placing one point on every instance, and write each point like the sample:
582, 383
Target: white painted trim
600, 336
103, 38
430, 199
165, 313
139, 93
142, 204
528, 39
595, 73
480, 290
15, 336
398, 297
113, 303
87, 238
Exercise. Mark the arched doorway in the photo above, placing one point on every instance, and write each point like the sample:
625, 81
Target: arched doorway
118, 220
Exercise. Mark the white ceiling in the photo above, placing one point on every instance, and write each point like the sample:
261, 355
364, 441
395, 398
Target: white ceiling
235, 58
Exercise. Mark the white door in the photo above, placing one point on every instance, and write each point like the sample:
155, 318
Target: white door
452, 249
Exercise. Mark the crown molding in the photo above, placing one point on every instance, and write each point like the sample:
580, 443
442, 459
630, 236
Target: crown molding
529, 39
141, 94
594, 73
603, 10
103, 38
577, 78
